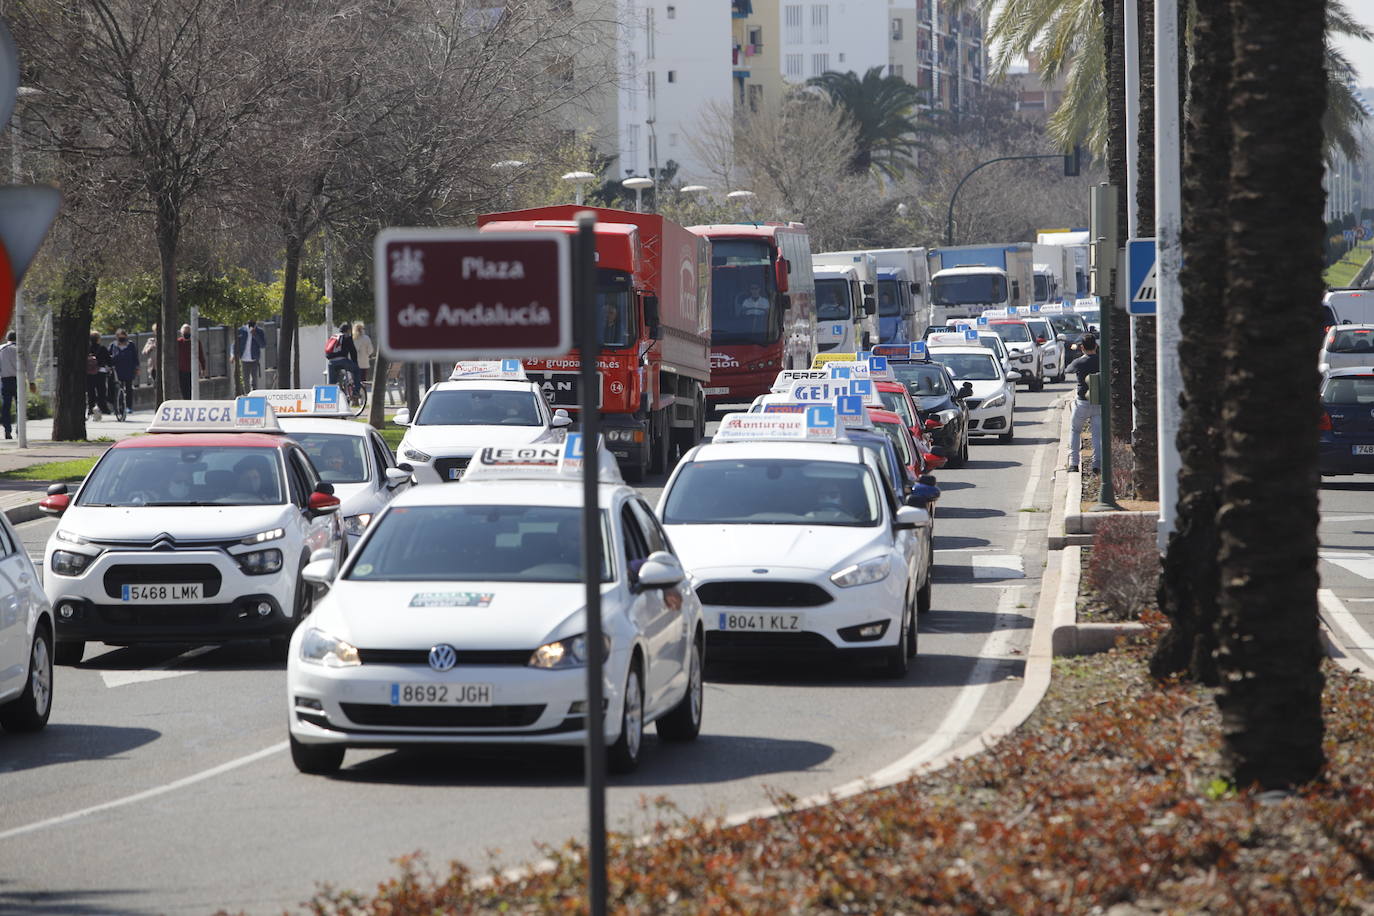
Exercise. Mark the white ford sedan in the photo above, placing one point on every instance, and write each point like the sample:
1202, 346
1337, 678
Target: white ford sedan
460, 619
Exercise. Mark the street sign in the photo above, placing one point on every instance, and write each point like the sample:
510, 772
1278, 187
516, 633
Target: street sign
1140, 272
451, 294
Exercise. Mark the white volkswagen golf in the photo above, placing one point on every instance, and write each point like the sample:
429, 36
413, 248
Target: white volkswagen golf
992, 405
460, 620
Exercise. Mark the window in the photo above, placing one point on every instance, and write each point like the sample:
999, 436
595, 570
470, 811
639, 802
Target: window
820, 24
819, 64
841, 57
792, 23
756, 38
649, 33
648, 525
631, 141
672, 141
636, 548
897, 70
755, 96
896, 30
672, 76
672, 11
792, 66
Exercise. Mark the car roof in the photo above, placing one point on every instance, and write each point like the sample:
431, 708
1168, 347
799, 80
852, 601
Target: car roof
1350, 370
485, 384
202, 440
333, 425
514, 492
979, 350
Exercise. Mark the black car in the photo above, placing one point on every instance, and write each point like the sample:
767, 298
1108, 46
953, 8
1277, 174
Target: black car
941, 403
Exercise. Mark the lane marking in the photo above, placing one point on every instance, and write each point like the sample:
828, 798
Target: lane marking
146, 793
160, 672
999, 566
1361, 564
1335, 612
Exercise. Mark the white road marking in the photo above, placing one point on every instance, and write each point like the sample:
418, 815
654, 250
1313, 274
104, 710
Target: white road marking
1339, 517
157, 672
1356, 636
147, 793
1361, 564
998, 566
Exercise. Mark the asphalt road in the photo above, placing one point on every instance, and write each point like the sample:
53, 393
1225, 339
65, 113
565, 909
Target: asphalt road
163, 785
1347, 561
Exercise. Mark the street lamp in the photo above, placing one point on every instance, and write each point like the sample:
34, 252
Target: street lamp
742, 198
578, 180
693, 189
638, 185
506, 167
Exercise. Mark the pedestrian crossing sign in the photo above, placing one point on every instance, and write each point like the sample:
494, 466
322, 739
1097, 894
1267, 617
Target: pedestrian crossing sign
1140, 272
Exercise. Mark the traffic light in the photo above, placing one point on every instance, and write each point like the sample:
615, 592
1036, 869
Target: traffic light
26, 211
1073, 162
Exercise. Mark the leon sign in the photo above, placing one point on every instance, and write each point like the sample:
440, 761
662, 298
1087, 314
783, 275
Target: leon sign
450, 294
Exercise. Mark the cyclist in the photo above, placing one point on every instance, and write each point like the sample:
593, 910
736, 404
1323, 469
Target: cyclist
124, 358
342, 354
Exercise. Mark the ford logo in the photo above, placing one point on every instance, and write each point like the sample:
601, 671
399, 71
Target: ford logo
443, 657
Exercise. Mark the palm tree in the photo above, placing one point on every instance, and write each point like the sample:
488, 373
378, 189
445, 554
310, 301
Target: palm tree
885, 112
1270, 652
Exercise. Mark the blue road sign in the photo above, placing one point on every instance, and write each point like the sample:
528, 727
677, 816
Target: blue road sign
1140, 275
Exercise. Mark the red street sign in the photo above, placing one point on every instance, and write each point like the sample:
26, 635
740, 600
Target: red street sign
449, 294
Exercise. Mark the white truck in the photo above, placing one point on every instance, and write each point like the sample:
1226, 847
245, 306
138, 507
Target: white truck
840, 304
967, 280
904, 279
865, 311
1073, 283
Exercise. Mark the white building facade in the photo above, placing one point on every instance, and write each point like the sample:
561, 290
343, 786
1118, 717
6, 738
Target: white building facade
674, 66
840, 35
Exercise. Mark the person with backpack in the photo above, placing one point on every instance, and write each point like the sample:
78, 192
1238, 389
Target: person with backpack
97, 378
342, 354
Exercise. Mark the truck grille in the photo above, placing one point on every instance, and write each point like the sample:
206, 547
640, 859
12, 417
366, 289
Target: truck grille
763, 594
442, 716
121, 574
442, 466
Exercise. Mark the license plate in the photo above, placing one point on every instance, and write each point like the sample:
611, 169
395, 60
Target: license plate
763, 622
441, 694
1362, 449
455, 473
716, 390
172, 593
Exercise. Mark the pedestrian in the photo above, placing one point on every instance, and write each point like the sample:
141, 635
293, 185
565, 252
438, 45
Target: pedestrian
10, 354
97, 377
184, 360
249, 344
150, 355
1085, 410
124, 358
363, 344
342, 354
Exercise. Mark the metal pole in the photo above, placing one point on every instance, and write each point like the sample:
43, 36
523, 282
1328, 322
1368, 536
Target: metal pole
329, 287
949, 214
588, 337
1168, 257
195, 353
1132, 48
21, 396
1104, 273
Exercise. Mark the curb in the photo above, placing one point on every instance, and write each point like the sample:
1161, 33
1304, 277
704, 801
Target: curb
25, 513
1074, 638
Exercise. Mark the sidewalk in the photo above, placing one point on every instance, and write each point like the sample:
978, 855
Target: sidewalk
18, 498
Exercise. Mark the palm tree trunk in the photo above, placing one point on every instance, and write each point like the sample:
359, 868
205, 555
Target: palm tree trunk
1270, 655
1113, 13
1144, 436
1188, 587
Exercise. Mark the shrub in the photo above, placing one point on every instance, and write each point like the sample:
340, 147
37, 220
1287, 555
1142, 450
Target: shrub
37, 407
1123, 565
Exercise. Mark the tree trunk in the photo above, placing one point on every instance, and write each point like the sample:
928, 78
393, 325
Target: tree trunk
286, 349
1145, 435
73, 306
1113, 13
376, 411
168, 236
1270, 656
1188, 587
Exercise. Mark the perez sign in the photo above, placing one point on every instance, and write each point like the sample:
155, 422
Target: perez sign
450, 294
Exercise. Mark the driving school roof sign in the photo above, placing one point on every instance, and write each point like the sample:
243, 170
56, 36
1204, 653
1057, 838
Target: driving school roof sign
450, 294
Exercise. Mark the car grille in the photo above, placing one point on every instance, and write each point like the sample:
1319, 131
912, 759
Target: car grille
972, 403
766, 642
763, 594
122, 574
442, 466
443, 716
465, 656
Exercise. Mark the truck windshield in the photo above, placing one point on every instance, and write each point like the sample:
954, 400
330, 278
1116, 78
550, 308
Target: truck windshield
889, 299
613, 304
744, 303
832, 300
1042, 288
969, 289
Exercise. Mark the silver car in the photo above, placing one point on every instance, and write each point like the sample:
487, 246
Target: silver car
26, 638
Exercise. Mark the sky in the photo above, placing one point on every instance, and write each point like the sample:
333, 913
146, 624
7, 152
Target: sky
1360, 53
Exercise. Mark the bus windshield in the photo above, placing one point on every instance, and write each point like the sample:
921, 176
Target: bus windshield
969, 289
744, 307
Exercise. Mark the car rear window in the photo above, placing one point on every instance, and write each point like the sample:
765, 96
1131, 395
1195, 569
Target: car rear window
1349, 389
1350, 340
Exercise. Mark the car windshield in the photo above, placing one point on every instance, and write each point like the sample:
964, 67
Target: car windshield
832, 300
772, 491
1011, 331
338, 458
922, 380
970, 366
889, 299
1068, 324
1349, 389
477, 544
968, 289
185, 476
898, 404
1358, 340
743, 300
1041, 328
1091, 317
479, 407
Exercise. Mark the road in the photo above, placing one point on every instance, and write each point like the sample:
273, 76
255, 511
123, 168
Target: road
1347, 562
163, 785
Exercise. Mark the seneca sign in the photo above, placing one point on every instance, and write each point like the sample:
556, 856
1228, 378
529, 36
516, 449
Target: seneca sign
450, 294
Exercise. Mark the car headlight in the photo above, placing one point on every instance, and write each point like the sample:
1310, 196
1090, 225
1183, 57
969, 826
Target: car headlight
948, 415
414, 454
354, 524
997, 400
319, 648
567, 653
260, 562
70, 563
864, 573
1027, 358
71, 537
263, 536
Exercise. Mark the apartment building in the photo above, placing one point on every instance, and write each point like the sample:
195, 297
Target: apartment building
939, 48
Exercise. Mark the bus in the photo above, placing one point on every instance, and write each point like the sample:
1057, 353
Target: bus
763, 306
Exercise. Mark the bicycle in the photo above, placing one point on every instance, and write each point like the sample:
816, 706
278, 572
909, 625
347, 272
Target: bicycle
356, 391
120, 401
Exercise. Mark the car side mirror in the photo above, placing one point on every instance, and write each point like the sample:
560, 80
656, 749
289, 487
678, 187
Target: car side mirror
1013, 375
940, 451
402, 417
927, 479
321, 503
911, 517
1039, 340
966, 389
922, 495
1062, 338
870, 307
397, 476
933, 424
321, 569
651, 321
561, 419
916, 289
56, 502
660, 570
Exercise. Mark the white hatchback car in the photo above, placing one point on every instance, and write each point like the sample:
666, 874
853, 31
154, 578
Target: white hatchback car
482, 404
26, 638
992, 405
1347, 345
1052, 350
796, 545
460, 620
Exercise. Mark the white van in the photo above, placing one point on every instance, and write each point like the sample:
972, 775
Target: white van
1351, 306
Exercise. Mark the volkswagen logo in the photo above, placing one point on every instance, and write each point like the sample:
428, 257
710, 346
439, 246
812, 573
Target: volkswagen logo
443, 657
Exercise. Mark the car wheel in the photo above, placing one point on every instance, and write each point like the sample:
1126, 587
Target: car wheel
895, 658
1006, 437
305, 603
911, 635
29, 711
623, 756
923, 595
316, 759
661, 457
683, 721
963, 457
1038, 383
69, 651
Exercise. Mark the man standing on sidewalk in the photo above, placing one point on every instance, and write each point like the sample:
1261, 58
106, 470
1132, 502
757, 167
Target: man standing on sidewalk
249, 344
9, 380
1085, 410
